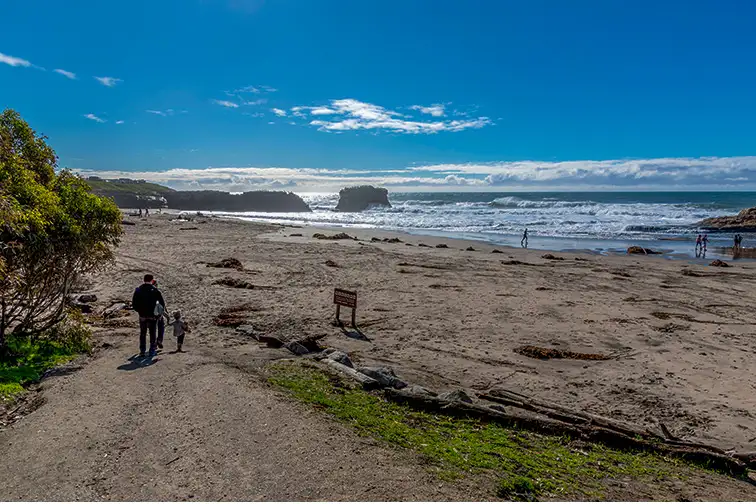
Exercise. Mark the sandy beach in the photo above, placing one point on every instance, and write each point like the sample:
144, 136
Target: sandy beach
675, 339
678, 337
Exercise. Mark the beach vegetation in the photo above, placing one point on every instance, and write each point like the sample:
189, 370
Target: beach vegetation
53, 230
520, 464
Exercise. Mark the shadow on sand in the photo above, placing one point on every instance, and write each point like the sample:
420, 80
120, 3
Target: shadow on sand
136, 362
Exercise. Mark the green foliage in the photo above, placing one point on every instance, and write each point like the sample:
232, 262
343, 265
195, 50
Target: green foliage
52, 230
143, 189
527, 464
25, 359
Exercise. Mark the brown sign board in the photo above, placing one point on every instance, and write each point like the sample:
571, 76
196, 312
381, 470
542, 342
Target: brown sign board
345, 298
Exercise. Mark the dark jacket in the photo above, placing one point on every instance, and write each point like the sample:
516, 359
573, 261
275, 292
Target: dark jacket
144, 299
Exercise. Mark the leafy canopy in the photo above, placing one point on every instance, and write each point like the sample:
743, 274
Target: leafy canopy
52, 230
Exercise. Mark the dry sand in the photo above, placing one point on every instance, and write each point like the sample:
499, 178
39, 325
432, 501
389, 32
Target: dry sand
199, 425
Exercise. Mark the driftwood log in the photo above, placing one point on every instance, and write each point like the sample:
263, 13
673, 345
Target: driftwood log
573, 416
366, 382
587, 431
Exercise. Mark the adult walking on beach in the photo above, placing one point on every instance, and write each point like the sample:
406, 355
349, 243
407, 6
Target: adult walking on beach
524, 241
148, 303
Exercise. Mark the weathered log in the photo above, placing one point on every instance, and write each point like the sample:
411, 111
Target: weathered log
586, 432
505, 396
550, 409
366, 382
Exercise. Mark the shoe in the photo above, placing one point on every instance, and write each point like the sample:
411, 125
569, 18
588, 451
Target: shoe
153, 353
142, 355
160, 346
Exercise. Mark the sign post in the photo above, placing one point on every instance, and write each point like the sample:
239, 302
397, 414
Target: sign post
347, 299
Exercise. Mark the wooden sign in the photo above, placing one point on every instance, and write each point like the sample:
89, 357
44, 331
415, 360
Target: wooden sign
347, 299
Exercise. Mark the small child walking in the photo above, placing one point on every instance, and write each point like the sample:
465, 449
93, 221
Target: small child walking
180, 328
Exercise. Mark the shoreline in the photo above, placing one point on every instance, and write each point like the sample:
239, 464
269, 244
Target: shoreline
677, 249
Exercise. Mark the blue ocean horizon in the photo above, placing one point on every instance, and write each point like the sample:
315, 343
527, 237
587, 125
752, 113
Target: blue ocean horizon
602, 222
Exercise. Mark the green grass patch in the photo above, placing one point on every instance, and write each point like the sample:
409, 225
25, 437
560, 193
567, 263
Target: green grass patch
25, 360
528, 465
134, 187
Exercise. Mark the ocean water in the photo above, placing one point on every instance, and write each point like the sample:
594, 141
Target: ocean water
598, 221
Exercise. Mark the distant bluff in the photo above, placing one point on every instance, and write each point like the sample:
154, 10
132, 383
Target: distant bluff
129, 193
357, 199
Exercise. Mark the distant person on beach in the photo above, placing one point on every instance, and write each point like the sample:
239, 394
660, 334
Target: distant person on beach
140, 212
524, 241
180, 328
146, 212
145, 302
704, 242
699, 244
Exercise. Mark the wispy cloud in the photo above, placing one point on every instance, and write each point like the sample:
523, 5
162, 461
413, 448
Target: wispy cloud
648, 174
13, 61
119, 122
162, 113
94, 118
225, 103
279, 112
261, 101
357, 115
436, 110
108, 81
66, 73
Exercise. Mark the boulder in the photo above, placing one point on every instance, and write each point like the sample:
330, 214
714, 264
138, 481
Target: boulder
340, 357
114, 310
470, 249
745, 221
384, 376
337, 236
552, 257
635, 249
331, 264
296, 348
87, 298
442, 245
357, 199
719, 263
418, 390
458, 395
496, 251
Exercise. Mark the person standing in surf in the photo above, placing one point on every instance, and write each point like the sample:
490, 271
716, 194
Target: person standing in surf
524, 241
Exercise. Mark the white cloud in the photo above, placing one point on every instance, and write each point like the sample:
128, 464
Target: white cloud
226, 103
648, 174
94, 118
119, 122
13, 61
70, 75
261, 101
108, 81
357, 115
162, 113
278, 112
436, 110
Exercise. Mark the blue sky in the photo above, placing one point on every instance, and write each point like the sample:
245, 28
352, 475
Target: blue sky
444, 95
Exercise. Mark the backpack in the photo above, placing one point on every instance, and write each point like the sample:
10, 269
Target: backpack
159, 309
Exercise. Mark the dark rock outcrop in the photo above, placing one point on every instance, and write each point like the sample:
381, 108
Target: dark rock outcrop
357, 199
641, 250
254, 201
745, 221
